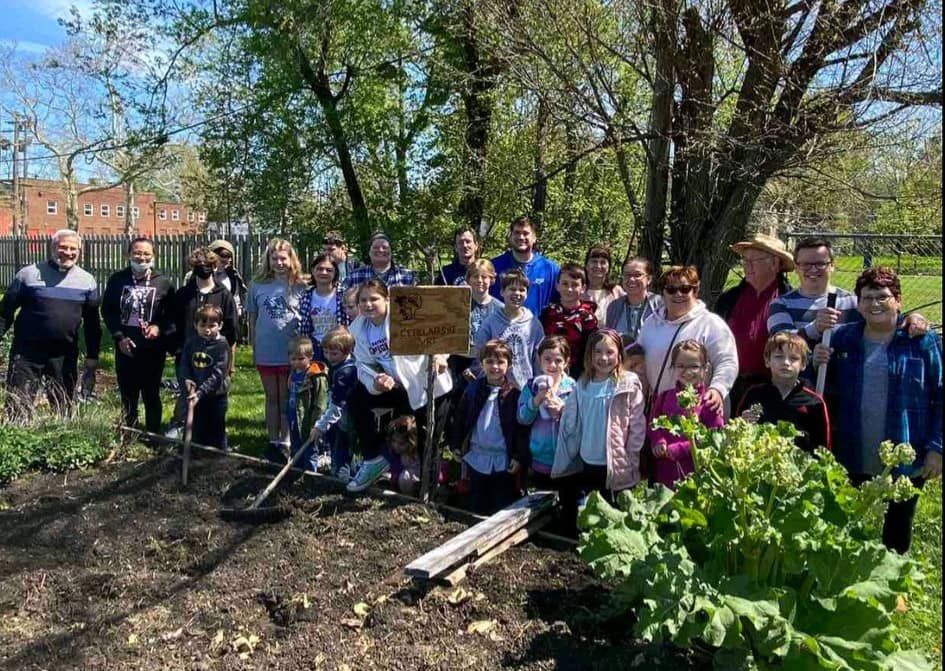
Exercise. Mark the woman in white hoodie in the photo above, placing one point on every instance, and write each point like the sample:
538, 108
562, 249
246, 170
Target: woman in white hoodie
685, 317
386, 380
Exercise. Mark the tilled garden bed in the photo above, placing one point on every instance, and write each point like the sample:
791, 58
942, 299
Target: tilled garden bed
120, 568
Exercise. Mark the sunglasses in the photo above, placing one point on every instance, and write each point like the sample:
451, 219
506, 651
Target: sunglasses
224, 255
684, 289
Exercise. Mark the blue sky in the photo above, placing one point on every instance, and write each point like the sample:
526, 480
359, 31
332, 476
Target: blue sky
32, 25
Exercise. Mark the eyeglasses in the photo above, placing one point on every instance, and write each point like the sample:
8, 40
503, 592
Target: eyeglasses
817, 265
877, 300
634, 276
684, 289
748, 263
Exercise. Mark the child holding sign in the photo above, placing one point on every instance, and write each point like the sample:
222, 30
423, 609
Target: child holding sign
386, 380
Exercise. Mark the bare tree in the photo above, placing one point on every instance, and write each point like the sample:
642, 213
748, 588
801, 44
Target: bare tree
730, 92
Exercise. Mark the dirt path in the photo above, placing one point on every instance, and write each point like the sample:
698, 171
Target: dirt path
121, 569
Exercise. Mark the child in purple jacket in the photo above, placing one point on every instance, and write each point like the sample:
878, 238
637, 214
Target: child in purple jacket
673, 460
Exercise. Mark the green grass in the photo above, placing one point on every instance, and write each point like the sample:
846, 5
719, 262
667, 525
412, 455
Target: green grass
921, 628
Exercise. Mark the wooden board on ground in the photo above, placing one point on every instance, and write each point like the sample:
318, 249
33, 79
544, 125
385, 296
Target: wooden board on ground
458, 574
429, 320
477, 540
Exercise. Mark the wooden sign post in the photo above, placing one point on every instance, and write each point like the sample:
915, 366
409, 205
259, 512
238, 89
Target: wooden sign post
428, 321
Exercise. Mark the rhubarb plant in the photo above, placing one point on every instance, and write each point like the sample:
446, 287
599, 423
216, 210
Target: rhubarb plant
762, 558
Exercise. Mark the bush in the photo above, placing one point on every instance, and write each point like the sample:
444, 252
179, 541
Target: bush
56, 443
762, 558
20, 450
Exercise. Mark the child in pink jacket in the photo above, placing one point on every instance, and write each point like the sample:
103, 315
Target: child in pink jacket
673, 460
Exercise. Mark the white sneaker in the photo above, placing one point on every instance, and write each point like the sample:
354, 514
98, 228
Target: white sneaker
368, 474
175, 433
324, 463
343, 474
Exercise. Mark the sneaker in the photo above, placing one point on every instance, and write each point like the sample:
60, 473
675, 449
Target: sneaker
367, 475
175, 432
324, 463
343, 474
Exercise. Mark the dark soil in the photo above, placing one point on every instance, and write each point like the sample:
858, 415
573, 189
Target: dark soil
120, 568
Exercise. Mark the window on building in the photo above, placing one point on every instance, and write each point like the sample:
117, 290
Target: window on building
190, 216
175, 215
87, 209
106, 210
52, 207
135, 212
120, 211
162, 214
203, 217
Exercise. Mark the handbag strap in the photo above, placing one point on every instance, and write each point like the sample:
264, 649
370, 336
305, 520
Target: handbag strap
669, 350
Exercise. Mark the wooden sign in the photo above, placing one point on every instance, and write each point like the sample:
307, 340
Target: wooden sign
429, 320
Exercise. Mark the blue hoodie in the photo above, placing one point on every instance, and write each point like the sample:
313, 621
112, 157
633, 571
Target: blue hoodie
541, 271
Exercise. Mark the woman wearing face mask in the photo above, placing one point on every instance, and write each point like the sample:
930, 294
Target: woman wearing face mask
137, 308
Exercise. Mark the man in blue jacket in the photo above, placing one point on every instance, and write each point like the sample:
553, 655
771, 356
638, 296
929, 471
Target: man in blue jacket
541, 271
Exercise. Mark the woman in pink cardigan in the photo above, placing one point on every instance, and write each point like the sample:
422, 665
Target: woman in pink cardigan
673, 459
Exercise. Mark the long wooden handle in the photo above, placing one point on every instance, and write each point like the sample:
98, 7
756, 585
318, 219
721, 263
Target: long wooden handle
188, 435
825, 340
276, 480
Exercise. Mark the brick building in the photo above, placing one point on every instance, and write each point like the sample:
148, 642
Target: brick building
99, 212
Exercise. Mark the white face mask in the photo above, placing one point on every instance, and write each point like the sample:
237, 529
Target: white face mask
139, 268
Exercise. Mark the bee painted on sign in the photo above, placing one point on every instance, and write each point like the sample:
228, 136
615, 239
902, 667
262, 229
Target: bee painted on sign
430, 320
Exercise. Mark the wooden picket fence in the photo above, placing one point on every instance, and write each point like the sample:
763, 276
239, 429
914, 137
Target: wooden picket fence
103, 255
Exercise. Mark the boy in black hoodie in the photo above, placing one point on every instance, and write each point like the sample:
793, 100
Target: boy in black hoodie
202, 371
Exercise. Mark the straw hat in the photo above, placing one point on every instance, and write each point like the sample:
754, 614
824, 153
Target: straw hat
768, 244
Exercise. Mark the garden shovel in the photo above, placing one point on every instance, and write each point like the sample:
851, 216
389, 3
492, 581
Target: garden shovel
256, 515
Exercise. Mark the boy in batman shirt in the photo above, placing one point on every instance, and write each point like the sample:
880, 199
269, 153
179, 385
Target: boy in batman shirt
202, 372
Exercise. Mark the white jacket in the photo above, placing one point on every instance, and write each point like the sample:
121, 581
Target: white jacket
411, 369
698, 324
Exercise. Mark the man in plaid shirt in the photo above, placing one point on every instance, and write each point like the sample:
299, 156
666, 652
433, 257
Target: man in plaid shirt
381, 267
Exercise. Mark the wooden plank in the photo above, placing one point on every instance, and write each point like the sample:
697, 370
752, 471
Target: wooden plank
459, 574
479, 539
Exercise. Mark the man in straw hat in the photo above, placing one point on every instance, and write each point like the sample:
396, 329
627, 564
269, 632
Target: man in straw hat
744, 307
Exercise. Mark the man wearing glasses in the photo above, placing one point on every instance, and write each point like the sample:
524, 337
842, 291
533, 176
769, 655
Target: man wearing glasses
805, 309
335, 246
744, 307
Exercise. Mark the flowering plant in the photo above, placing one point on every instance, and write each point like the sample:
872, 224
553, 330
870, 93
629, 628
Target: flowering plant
761, 558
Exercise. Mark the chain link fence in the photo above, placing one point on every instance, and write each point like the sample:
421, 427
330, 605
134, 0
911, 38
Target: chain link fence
917, 259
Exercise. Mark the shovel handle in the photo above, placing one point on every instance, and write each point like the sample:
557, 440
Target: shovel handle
276, 480
188, 435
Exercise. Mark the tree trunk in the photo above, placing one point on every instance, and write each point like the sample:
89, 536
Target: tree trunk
320, 84
540, 193
129, 209
477, 100
663, 24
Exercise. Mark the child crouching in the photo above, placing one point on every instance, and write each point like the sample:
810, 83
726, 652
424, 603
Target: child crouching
202, 371
403, 454
486, 421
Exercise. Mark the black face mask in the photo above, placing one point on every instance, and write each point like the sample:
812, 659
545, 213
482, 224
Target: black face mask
203, 272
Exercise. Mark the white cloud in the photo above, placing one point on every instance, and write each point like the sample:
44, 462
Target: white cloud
24, 46
59, 9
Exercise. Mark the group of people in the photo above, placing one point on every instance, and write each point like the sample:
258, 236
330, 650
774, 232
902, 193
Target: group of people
565, 372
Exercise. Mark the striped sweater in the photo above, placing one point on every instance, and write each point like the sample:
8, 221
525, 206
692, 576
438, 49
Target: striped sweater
51, 305
796, 312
